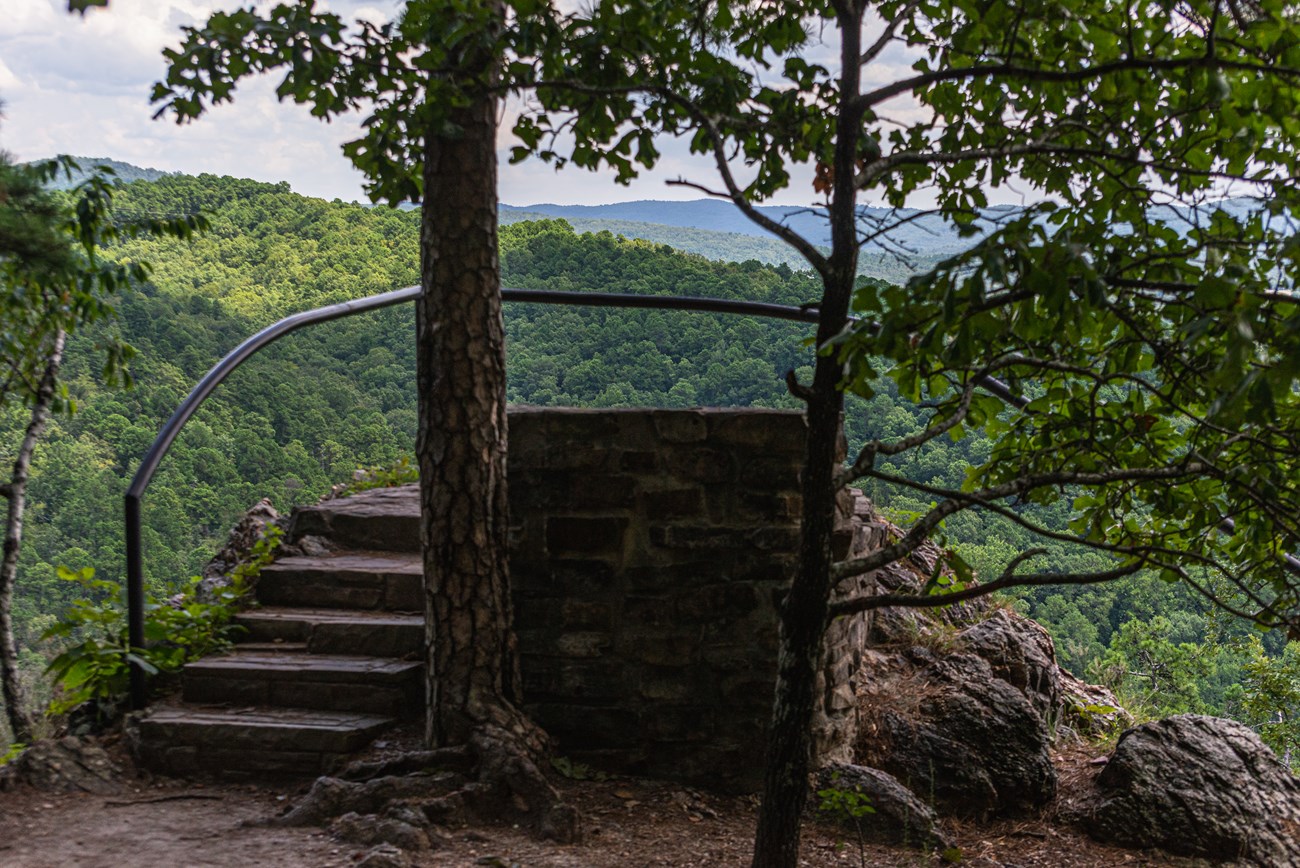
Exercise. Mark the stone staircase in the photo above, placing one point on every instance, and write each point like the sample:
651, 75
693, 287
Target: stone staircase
331, 656
648, 552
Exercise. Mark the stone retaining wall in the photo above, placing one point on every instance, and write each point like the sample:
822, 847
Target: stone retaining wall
648, 551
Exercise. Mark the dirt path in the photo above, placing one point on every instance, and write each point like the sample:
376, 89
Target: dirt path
169, 825
629, 824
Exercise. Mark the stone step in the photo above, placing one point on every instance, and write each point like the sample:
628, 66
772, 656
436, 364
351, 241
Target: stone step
330, 682
392, 581
385, 519
265, 742
272, 645
333, 631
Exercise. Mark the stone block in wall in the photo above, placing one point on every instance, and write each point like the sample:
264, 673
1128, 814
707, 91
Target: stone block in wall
579, 727
764, 568
586, 614
594, 681
652, 577
585, 535
639, 461
601, 491
676, 427
671, 503
662, 685
770, 433
649, 611
699, 465
775, 539
771, 474
583, 643
694, 722
724, 601
536, 577
782, 508
697, 538
666, 646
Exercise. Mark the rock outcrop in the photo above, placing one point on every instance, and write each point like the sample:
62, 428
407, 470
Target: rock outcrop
1021, 653
956, 734
65, 765
1199, 786
238, 548
959, 703
1089, 710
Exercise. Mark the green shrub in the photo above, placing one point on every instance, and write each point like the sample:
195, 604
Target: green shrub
846, 806
400, 472
96, 667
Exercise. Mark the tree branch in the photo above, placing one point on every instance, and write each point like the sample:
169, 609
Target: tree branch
874, 170
957, 501
863, 604
737, 196
867, 457
890, 31
1027, 73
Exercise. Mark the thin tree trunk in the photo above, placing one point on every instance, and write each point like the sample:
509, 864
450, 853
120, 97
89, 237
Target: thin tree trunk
803, 616
473, 670
20, 721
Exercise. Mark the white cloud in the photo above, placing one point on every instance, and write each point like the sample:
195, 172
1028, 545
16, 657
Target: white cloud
80, 85
8, 80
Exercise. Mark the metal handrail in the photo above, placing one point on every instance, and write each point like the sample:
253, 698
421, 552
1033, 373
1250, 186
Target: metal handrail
163, 442
166, 437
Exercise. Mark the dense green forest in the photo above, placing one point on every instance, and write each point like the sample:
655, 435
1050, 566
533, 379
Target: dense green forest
310, 410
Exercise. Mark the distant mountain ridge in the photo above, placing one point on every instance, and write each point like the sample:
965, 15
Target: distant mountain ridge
922, 235
716, 229
124, 173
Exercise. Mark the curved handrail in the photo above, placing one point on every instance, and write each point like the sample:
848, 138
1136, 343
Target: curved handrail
163, 442
167, 436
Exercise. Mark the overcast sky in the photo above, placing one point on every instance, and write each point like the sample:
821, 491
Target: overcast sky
81, 86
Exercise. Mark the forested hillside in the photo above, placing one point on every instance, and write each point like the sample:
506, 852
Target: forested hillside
325, 401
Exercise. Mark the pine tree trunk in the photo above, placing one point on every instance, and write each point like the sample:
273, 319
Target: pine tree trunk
473, 673
20, 721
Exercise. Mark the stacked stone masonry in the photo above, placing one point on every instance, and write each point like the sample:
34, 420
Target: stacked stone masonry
649, 551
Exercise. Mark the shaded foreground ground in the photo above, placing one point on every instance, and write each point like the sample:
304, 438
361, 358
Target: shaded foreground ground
628, 822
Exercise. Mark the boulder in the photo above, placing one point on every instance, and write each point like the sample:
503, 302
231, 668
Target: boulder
955, 734
65, 765
376, 830
1022, 654
898, 816
384, 856
1199, 786
1090, 710
238, 549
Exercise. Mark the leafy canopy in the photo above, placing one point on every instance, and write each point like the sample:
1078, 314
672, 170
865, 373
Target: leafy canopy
1147, 335
53, 277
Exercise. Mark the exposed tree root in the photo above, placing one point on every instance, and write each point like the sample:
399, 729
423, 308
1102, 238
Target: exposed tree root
403, 801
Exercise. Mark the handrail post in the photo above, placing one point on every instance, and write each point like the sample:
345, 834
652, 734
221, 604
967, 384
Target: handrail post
135, 603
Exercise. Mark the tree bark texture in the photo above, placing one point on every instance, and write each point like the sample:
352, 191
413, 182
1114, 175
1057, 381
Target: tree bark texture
803, 616
20, 721
472, 663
